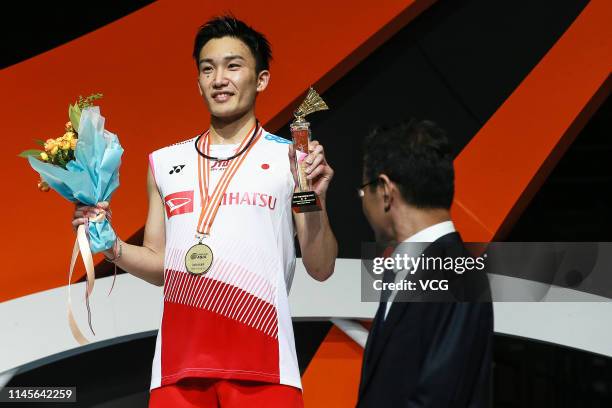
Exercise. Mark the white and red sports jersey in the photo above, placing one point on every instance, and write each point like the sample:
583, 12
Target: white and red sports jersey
233, 322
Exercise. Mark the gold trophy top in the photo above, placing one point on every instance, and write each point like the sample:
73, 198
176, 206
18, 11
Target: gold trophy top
312, 103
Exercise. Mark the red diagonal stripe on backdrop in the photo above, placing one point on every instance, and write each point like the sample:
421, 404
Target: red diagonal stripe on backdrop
507, 161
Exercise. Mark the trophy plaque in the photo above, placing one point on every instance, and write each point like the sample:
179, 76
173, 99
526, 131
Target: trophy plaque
304, 199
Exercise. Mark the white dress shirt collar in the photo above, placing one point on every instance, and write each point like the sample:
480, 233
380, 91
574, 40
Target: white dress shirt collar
429, 234
433, 232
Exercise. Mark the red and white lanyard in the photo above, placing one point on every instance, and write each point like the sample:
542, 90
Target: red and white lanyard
210, 204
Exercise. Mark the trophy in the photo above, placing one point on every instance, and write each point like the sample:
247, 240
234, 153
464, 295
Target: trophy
304, 199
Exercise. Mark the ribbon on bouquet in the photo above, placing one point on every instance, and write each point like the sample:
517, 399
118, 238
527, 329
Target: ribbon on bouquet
81, 245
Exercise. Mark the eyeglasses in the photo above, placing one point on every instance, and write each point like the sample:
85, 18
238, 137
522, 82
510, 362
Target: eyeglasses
360, 191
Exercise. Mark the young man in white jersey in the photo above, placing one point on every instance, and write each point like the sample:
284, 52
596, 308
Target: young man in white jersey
226, 338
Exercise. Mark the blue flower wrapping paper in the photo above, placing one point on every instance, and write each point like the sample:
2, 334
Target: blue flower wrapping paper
92, 177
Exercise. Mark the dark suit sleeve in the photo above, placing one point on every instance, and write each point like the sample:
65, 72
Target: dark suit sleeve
455, 370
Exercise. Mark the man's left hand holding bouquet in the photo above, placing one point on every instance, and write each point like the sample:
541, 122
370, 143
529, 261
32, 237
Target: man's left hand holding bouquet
83, 166
147, 261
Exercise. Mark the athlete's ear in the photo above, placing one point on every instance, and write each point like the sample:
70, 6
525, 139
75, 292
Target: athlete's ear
262, 80
200, 89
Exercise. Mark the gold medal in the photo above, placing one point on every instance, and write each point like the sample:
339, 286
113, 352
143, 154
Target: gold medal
198, 259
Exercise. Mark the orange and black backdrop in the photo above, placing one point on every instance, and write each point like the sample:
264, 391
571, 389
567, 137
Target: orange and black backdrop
522, 89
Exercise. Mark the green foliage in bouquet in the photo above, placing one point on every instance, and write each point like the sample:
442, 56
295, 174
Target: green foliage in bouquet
74, 111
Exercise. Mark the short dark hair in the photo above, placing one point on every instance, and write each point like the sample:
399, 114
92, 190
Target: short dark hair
417, 156
230, 26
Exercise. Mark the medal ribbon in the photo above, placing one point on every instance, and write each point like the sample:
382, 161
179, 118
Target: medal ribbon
210, 205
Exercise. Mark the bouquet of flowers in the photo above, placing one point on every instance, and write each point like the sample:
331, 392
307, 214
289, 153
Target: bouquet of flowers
83, 167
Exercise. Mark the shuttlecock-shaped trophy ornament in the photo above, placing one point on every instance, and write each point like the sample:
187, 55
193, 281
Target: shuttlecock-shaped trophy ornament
304, 199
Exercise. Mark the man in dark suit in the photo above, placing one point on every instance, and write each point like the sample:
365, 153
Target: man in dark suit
426, 348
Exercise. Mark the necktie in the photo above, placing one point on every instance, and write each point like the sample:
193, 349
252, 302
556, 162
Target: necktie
388, 277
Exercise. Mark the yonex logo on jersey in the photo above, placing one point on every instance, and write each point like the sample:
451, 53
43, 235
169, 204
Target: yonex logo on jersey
179, 203
177, 169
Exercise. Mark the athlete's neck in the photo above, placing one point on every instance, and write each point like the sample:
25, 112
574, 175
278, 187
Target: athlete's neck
231, 131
